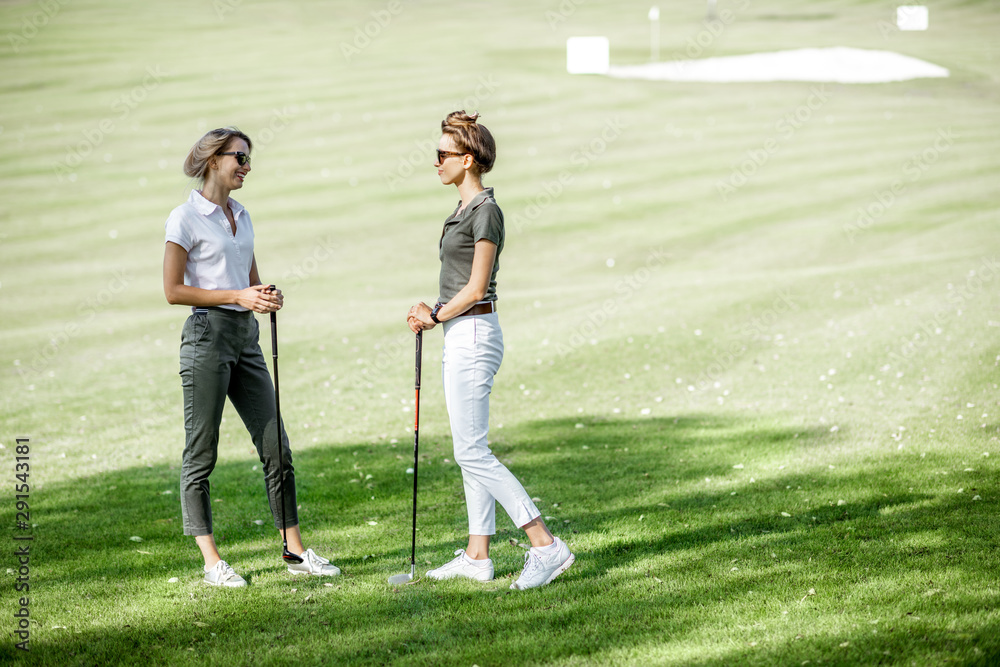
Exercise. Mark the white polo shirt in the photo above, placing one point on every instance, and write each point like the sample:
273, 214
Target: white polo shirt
217, 260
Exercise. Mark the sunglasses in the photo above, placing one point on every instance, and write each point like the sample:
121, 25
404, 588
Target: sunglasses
442, 155
241, 157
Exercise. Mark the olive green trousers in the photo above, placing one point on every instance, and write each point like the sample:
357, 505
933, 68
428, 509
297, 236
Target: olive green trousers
220, 357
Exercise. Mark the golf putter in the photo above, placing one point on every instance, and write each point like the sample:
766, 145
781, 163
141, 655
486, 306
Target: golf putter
287, 555
405, 577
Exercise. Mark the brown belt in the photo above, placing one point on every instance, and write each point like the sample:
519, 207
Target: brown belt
481, 309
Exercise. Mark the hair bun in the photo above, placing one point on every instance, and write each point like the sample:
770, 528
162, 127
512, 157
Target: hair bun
460, 119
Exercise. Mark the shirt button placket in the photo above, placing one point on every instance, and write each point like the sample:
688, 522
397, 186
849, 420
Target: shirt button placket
232, 238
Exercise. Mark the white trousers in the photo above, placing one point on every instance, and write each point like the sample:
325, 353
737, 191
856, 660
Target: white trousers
473, 350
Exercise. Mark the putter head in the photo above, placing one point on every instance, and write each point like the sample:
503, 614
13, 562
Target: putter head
289, 557
405, 577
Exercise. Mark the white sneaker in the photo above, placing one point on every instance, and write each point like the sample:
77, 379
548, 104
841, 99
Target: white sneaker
543, 565
463, 566
223, 575
314, 565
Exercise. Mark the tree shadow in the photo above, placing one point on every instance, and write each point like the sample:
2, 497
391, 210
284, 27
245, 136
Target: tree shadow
671, 540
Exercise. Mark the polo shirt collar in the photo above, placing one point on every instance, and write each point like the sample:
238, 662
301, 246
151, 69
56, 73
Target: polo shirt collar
476, 202
206, 207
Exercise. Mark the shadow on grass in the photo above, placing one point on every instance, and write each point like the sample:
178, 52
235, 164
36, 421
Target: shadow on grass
682, 558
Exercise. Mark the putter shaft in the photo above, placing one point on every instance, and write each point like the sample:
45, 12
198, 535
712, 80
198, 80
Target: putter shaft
399, 578
285, 553
416, 449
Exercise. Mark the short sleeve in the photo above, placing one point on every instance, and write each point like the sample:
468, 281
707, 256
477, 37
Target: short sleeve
178, 232
487, 223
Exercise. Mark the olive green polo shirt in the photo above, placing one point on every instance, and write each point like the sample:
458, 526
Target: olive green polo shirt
481, 219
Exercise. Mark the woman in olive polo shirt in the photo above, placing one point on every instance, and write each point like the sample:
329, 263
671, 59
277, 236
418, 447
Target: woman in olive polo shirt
469, 250
208, 264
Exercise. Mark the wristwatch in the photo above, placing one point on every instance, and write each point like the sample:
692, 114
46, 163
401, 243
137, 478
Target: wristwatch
435, 311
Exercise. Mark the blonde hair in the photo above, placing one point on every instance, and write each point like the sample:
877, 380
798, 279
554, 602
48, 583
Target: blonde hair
471, 137
210, 145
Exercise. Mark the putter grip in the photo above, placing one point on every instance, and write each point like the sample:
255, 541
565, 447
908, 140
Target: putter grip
274, 335
420, 349
274, 330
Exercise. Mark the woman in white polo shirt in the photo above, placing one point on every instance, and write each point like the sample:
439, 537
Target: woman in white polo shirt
209, 264
469, 250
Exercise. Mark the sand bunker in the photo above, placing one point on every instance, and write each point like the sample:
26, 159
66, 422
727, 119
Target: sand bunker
839, 64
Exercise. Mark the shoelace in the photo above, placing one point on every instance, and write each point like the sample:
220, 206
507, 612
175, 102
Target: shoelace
458, 560
532, 563
313, 557
226, 572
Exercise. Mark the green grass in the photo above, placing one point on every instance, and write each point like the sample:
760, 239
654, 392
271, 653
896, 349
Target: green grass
740, 360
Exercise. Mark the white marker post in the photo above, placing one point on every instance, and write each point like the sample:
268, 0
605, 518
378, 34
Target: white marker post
654, 34
588, 55
912, 17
